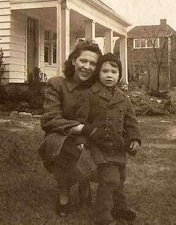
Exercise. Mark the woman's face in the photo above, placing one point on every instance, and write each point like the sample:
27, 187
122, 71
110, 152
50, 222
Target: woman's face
109, 74
85, 65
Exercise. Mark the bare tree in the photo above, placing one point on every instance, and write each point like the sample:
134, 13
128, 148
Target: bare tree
158, 44
147, 65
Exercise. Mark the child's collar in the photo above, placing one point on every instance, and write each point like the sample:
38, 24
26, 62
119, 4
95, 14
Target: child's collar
98, 86
101, 91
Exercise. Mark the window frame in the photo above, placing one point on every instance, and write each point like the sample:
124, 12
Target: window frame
145, 40
52, 46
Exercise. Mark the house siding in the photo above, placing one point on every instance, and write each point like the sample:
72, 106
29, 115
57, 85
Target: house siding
18, 48
5, 19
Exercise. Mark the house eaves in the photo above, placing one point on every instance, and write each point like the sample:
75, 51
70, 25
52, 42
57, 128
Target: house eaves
32, 4
106, 10
150, 31
109, 11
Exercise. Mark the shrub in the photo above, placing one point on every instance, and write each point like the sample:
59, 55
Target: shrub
23, 97
36, 76
2, 65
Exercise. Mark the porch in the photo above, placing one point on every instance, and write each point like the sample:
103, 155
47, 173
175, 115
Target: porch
42, 33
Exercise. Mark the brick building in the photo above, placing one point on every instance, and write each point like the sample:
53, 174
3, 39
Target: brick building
151, 53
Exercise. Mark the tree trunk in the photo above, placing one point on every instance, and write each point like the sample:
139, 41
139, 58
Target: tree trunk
158, 79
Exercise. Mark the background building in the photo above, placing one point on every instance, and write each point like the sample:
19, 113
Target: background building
151, 56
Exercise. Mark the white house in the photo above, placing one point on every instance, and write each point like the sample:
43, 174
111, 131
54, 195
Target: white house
41, 33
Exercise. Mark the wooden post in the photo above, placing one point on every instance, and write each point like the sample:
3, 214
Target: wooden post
123, 58
90, 30
109, 41
59, 41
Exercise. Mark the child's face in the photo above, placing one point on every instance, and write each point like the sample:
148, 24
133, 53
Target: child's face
109, 75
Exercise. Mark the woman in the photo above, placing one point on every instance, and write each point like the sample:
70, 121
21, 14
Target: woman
64, 116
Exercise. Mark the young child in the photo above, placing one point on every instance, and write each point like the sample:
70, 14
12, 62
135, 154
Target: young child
112, 131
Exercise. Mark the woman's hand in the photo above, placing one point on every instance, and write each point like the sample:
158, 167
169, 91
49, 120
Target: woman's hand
134, 148
77, 129
81, 147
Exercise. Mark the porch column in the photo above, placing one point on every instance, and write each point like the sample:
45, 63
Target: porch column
108, 41
169, 62
123, 58
59, 41
65, 32
90, 30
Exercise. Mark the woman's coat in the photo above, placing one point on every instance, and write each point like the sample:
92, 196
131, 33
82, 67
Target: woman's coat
65, 107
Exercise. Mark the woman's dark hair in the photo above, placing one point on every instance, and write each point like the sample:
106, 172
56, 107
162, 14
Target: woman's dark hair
82, 45
113, 60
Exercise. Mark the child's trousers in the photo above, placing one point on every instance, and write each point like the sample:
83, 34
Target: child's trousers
108, 183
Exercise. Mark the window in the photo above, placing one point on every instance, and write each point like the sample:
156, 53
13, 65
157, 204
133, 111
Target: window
137, 43
50, 48
146, 43
47, 48
149, 43
143, 43
155, 42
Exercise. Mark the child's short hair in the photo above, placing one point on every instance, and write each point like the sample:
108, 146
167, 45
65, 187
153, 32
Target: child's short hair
114, 61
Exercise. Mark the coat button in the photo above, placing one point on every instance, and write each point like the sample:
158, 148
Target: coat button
120, 120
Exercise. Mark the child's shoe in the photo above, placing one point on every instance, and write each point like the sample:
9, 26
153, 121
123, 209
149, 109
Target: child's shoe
63, 210
63, 205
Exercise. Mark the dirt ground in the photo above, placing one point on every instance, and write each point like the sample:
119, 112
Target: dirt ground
28, 193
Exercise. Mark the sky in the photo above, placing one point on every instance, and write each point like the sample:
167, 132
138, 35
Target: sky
145, 12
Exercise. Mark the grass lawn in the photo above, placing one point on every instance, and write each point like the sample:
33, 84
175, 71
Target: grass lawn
28, 193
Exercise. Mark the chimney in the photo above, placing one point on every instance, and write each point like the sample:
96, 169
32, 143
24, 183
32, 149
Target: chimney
163, 23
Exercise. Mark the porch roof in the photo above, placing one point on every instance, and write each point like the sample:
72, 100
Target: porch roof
27, 4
